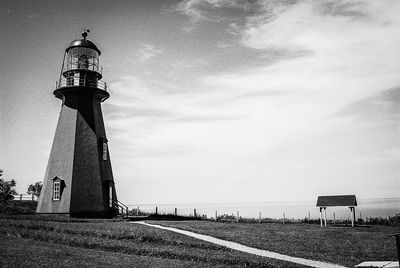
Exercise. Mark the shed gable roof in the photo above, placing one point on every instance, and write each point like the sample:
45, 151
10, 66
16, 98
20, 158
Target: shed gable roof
337, 200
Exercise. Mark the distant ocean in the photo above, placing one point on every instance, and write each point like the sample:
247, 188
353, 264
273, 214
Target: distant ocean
373, 207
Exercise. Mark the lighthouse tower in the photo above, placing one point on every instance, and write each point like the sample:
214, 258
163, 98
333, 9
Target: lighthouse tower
79, 180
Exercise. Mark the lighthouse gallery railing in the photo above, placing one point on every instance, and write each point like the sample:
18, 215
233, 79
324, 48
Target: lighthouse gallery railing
74, 81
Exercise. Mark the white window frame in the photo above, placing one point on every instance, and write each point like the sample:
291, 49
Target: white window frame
105, 150
56, 190
110, 192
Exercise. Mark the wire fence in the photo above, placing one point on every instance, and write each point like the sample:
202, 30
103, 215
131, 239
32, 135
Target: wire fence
160, 210
260, 212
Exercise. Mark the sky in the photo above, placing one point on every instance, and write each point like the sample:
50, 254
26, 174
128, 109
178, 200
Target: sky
215, 100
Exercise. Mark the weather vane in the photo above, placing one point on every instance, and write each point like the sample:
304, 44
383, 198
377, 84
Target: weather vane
85, 32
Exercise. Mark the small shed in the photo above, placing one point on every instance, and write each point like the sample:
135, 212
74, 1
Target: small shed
337, 200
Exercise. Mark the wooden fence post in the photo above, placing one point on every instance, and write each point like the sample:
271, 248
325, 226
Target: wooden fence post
194, 213
283, 220
237, 218
176, 212
259, 217
216, 215
156, 210
20, 197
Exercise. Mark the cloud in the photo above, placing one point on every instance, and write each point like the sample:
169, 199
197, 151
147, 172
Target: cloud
160, 120
342, 57
188, 7
338, 57
383, 106
180, 65
215, 10
148, 51
291, 119
351, 9
314, 25
204, 118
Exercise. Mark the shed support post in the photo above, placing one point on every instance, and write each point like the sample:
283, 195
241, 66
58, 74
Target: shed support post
320, 215
353, 215
325, 216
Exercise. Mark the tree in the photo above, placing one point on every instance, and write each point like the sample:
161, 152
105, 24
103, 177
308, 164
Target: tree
7, 189
35, 188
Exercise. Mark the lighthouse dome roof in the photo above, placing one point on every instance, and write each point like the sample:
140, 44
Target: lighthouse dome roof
82, 43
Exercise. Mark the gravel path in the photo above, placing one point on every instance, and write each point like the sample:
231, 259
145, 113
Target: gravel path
255, 251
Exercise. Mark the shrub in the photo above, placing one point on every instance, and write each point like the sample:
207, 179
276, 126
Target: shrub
7, 189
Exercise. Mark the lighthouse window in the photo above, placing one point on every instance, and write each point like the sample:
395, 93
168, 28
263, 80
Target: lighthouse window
56, 190
110, 195
104, 151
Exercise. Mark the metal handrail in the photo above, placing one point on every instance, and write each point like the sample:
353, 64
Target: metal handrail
120, 206
76, 65
73, 82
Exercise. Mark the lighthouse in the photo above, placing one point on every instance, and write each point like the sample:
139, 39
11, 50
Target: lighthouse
79, 179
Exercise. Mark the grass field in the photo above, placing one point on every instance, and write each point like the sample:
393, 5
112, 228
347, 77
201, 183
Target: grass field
341, 245
20, 252
33, 240
30, 240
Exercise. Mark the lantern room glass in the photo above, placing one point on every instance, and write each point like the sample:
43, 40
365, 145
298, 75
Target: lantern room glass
82, 58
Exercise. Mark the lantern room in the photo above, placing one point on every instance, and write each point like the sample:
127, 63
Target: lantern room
81, 65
